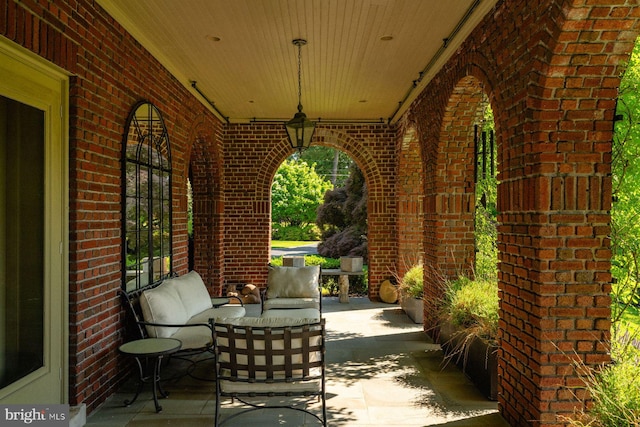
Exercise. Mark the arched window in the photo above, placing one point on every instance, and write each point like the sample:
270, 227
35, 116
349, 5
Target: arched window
147, 200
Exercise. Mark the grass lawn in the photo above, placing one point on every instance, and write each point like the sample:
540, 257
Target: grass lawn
289, 243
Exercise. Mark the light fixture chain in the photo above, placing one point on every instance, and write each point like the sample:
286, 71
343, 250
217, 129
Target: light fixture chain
299, 76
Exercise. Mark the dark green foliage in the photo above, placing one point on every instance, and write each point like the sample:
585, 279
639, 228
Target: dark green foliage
342, 219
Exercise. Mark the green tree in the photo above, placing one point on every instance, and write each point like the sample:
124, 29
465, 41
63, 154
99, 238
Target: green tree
625, 212
296, 193
486, 214
333, 165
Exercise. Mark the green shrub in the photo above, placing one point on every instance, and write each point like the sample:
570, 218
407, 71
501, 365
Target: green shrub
308, 232
321, 261
276, 261
412, 283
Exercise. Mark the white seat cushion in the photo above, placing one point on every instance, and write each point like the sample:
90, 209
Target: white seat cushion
281, 303
293, 313
194, 337
226, 311
315, 385
263, 322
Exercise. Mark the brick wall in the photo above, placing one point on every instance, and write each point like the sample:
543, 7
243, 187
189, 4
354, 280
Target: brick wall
111, 72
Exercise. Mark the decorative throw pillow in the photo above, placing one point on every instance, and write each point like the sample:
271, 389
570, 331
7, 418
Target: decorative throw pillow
162, 305
293, 282
192, 292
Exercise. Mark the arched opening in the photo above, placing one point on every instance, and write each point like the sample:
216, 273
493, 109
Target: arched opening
461, 281
319, 199
383, 255
450, 187
410, 202
298, 189
204, 216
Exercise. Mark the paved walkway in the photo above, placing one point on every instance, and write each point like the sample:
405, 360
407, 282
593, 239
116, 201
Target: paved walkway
310, 249
382, 370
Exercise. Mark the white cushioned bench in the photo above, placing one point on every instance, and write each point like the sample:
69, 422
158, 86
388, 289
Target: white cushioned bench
180, 308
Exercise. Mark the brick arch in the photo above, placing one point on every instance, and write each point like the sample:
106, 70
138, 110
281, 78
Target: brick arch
444, 116
555, 200
454, 180
205, 171
323, 136
410, 198
380, 261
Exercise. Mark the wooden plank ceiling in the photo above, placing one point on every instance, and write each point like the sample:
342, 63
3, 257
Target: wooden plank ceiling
361, 62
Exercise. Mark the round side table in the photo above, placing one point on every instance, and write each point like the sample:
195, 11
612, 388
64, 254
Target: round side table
152, 350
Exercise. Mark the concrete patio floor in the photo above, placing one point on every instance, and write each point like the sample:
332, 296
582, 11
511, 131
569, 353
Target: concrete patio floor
382, 370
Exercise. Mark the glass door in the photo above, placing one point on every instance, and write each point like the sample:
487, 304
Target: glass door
21, 237
33, 230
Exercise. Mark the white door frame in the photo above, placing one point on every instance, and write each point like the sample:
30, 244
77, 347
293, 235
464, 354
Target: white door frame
29, 79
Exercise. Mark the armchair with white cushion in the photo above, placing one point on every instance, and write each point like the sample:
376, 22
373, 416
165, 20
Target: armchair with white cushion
293, 288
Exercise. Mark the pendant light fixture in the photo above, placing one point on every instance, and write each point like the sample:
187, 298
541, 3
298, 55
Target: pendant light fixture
299, 128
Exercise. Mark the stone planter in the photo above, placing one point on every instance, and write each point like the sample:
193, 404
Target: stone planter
477, 358
414, 307
351, 263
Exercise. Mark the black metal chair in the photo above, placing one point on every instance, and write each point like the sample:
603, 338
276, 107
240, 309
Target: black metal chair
267, 361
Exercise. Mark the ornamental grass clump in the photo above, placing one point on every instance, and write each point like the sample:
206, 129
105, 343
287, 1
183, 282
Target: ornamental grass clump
614, 389
471, 306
